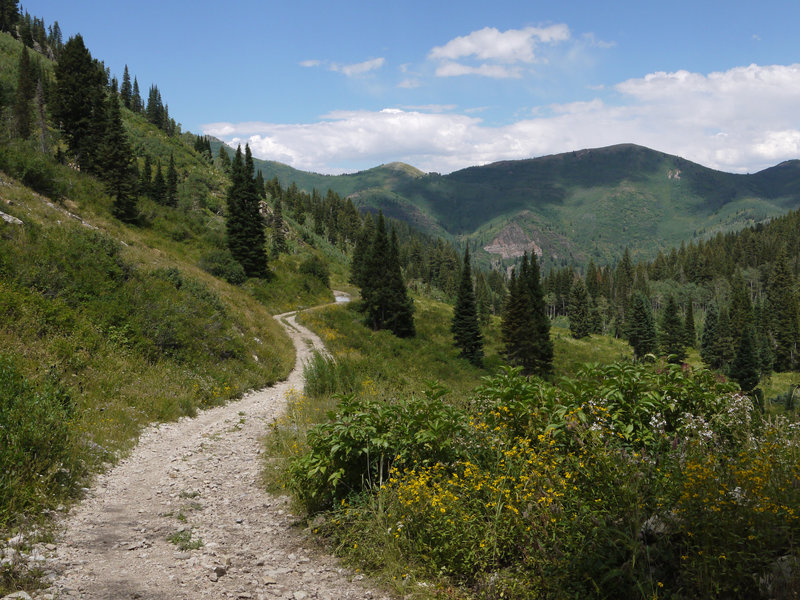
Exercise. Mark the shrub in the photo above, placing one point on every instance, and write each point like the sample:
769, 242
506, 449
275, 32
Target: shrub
316, 267
220, 263
38, 458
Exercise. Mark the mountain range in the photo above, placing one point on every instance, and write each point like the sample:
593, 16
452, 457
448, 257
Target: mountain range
570, 207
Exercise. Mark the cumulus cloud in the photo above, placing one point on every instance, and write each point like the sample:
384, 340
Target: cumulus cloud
743, 119
489, 52
514, 45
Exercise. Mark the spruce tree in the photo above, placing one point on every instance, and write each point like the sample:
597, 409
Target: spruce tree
525, 327
745, 366
158, 190
783, 309
244, 226
78, 105
137, 104
146, 178
224, 159
383, 293
725, 343
278, 236
401, 310
690, 334
543, 345
9, 15
641, 327
672, 333
465, 328
709, 337
117, 165
517, 328
126, 91
579, 310
361, 252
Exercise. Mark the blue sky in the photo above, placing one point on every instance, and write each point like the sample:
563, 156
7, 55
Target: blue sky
341, 86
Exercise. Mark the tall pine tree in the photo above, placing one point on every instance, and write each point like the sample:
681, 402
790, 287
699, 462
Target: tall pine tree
465, 328
672, 334
579, 310
244, 226
116, 161
783, 308
641, 327
525, 327
78, 106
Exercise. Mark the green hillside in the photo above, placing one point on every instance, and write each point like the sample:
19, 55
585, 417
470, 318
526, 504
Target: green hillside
106, 327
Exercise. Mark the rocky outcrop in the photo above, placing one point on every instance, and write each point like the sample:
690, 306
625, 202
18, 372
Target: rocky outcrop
512, 242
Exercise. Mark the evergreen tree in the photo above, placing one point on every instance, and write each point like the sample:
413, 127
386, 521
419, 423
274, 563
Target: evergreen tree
465, 328
579, 310
54, 39
146, 178
25, 92
278, 236
745, 367
690, 334
9, 15
225, 160
483, 298
672, 333
516, 327
117, 165
401, 309
740, 309
725, 343
361, 253
78, 105
525, 327
155, 107
783, 309
137, 104
126, 91
158, 190
260, 187
244, 226
709, 337
543, 345
171, 190
641, 327
766, 354
384, 296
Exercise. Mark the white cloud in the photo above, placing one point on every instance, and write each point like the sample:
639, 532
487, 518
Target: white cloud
358, 68
743, 119
514, 45
310, 63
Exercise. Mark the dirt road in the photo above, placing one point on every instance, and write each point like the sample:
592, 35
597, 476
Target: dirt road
198, 479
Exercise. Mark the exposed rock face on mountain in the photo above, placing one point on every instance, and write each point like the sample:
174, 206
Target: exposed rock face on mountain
512, 242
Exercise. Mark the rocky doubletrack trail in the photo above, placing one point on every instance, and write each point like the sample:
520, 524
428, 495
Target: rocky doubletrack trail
198, 479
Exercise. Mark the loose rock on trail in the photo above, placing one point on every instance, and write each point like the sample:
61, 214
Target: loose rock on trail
191, 480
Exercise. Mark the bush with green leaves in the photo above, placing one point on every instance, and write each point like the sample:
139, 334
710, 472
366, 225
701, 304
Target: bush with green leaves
315, 266
37, 454
366, 438
220, 263
641, 480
